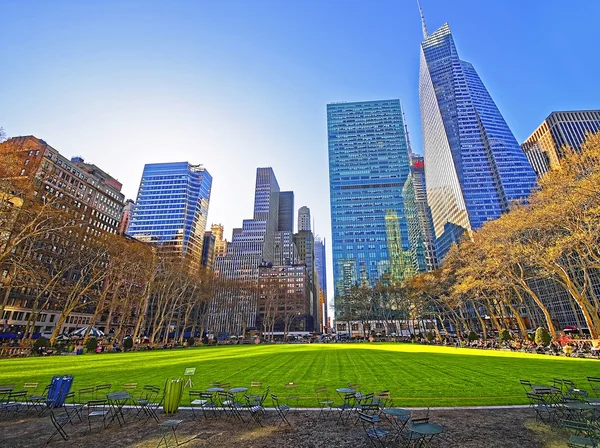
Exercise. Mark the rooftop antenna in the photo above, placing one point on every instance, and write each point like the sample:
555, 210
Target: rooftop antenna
410, 153
425, 34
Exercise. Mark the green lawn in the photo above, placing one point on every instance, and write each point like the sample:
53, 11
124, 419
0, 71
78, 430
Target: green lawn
416, 375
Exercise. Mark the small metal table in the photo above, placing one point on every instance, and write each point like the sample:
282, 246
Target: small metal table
237, 390
166, 426
116, 401
578, 410
215, 389
345, 390
426, 432
399, 418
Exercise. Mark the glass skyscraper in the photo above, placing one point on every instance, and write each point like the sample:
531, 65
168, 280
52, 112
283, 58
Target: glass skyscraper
368, 166
473, 164
418, 218
321, 270
171, 208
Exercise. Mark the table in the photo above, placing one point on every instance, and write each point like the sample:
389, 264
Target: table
578, 409
237, 390
345, 390
215, 389
426, 432
5, 392
400, 417
165, 427
116, 401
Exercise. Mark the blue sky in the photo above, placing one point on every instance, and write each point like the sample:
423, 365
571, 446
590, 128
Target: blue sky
239, 84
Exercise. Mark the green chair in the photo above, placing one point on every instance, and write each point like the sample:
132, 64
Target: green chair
583, 435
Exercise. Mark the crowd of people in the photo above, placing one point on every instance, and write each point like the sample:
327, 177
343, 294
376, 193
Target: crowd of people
570, 346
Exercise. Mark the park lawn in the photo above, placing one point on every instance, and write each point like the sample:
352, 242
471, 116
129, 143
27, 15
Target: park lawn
416, 375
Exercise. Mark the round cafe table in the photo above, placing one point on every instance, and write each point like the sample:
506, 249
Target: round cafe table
426, 432
400, 417
397, 412
345, 390
215, 389
238, 390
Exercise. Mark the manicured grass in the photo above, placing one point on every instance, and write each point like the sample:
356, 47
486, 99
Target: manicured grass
416, 375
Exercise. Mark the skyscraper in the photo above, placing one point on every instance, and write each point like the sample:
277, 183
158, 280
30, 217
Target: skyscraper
368, 166
544, 146
473, 164
418, 218
220, 243
303, 218
252, 246
321, 271
286, 211
171, 208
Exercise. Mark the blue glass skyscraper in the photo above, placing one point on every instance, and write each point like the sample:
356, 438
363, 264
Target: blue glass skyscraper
171, 208
473, 164
368, 166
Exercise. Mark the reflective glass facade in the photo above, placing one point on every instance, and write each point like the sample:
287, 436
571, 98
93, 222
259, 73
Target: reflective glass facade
368, 166
418, 218
473, 163
172, 206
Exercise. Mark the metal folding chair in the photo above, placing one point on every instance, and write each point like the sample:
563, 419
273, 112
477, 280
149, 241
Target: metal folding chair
346, 408
292, 396
59, 421
97, 409
102, 389
197, 400
282, 410
376, 435
323, 399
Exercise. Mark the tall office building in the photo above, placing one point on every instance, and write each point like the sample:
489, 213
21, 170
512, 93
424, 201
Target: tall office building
252, 246
208, 250
286, 211
171, 208
303, 218
368, 166
87, 194
220, 242
418, 218
321, 272
473, 164
544, 147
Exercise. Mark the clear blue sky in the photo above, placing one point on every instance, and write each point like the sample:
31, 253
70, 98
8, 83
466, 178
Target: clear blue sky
240, 84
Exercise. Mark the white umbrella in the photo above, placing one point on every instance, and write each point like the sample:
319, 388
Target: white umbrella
82, 331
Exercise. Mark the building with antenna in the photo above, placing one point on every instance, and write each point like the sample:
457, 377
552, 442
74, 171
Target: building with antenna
473, 164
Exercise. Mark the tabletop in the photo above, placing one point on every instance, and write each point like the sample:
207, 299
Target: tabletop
578, 405
237, 390
427, 429
114, 396
215, 389
541, 389
396, 412
345, 390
